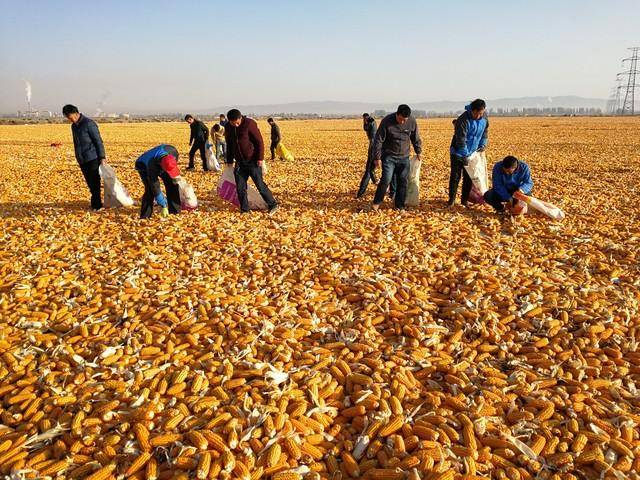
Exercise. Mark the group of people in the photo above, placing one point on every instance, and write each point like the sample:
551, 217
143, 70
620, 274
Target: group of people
239, 142
390, 148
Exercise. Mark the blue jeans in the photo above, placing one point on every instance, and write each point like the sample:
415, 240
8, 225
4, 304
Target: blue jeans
398, 166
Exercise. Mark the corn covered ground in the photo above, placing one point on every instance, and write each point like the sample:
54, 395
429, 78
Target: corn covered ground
326, 341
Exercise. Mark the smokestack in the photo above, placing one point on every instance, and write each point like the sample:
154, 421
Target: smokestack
27, 89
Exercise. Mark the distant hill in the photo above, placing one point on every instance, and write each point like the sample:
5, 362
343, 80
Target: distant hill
351, 108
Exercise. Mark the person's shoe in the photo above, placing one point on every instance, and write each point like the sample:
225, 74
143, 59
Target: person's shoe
273, 209
190, 168
451, 204
466, 204
96, 210
375, 207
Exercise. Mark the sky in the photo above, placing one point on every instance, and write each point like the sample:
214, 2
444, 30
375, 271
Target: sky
173, 56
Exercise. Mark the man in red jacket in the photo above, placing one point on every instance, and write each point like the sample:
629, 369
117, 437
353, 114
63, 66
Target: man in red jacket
246, 147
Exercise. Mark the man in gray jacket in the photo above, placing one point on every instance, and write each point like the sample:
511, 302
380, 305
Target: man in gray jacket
89, 151
391, 149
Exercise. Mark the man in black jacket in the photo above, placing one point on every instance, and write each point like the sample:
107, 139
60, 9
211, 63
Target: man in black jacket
369, 126
197, 141
89, 151
275, 137
391, 148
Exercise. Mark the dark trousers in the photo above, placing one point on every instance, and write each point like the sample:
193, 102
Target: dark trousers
493, 199
398, 167
369, 172
242, 172
221, 150
457, 171
173, 195
274, 145
198, 145
92, 177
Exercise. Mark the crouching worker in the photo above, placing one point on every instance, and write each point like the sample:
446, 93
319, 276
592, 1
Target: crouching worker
159, 162
511, 181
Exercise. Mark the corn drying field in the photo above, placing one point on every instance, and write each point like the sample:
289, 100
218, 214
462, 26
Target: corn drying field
326, 341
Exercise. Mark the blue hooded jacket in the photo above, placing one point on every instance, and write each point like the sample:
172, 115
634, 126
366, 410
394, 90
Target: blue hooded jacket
470, 134
148, 164
505, 185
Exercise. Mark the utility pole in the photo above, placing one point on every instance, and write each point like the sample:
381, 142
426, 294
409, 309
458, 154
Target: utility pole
629, 101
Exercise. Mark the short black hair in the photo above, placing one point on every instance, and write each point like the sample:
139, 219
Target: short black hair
216, 128
404, 111
222, 115
365, 115
69, 109
269, 119
478, 104
509, 161
188, 116
234, 114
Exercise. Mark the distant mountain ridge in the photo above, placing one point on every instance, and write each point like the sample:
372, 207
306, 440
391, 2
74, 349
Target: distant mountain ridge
443, 106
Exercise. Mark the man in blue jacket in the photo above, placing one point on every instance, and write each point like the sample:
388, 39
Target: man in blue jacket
511, 177
159, 162
471, 135
89, 151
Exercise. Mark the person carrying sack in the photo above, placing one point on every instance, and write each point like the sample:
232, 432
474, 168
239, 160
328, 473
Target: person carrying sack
197, 141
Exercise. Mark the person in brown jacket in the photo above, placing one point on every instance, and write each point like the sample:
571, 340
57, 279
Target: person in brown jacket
246, 147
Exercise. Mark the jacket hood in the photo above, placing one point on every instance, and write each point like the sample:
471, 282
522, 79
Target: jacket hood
467, 107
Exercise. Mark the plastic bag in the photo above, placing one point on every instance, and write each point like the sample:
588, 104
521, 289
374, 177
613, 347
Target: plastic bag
188, 199
115, 195
548, 209
228, 192
413, 188
477, 170
283, 153
212, 161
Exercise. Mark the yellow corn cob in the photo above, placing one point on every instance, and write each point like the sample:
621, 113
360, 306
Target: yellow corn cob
197, 439
392, 426
350, 464
151, 470
138, 463
103, 473
204, 465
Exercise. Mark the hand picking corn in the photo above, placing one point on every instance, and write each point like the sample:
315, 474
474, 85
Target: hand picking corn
323, 342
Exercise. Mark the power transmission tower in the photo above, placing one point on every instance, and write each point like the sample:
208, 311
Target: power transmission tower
629, 101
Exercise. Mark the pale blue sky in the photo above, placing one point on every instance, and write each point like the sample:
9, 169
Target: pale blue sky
175, 56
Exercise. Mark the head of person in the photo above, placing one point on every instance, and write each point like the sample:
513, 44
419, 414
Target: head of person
222, 117
478, 106
216, 127
169, 164
509, 165
270, 121
365, 116
403, 113
189, 119
71, 113
235, 117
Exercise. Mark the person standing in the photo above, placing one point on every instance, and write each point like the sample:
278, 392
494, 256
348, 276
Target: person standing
245, 146
275, 137
197, 141
159, 162
369, 126
391, 149
221, 144
471, 134
89, 151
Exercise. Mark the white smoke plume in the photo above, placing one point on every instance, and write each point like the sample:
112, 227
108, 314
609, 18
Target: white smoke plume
102, 102
27, 89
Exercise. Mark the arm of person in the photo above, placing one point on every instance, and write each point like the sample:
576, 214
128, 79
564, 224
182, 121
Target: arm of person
460, 137
96, 139
379, 139
498, 183
416, 141
527, 182
485, 137
278, 136
193, 133
231, 147
256, 138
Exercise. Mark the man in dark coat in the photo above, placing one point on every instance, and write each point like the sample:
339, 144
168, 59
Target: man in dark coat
197, 141
369, 126
246, 147
275, 137
89, 151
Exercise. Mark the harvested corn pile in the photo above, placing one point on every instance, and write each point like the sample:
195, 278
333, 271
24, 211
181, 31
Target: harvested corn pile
322, 342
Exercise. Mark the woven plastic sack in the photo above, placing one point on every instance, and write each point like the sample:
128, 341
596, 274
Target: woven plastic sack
188, 199
228, 192
477, 170
115, 195
413, 188
547, 208
284, 153
212, 161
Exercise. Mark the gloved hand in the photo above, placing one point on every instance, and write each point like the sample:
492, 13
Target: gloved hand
164, 213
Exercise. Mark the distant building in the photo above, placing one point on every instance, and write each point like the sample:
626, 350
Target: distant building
379, 113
